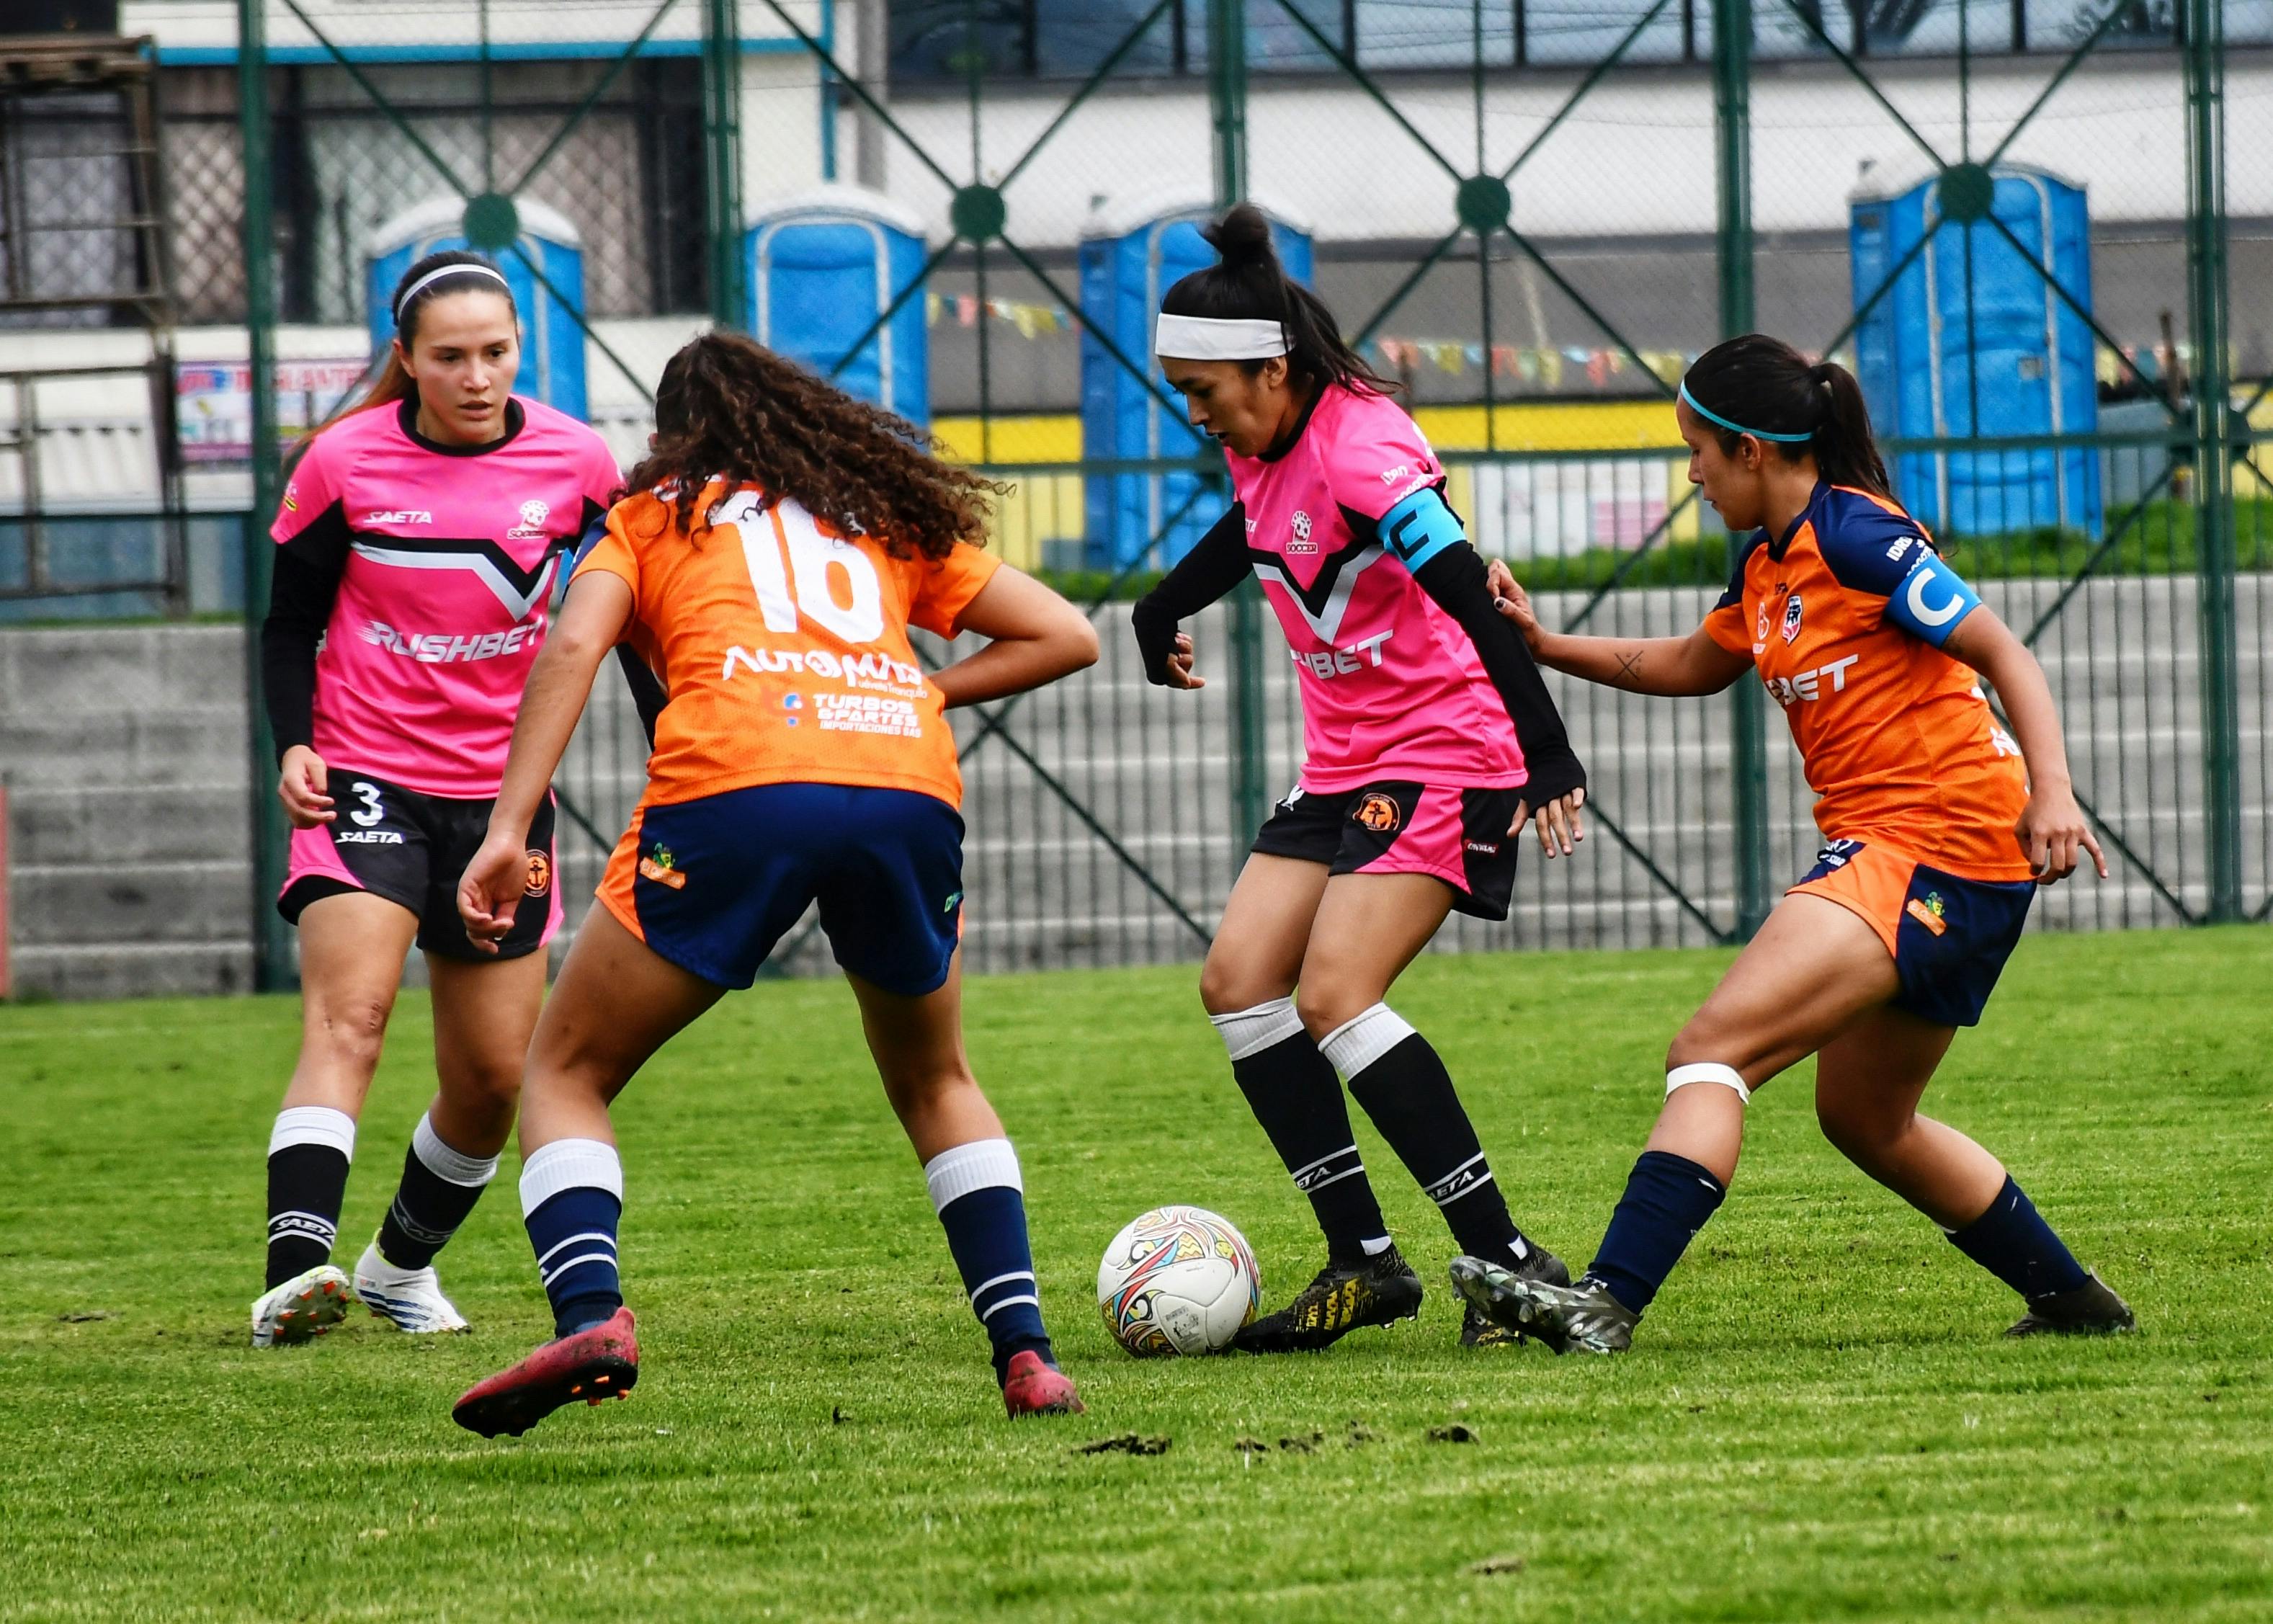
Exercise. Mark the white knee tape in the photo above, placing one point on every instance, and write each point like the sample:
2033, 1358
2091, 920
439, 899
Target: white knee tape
1707, 1072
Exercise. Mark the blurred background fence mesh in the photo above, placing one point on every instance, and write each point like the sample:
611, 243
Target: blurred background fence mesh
2016, 220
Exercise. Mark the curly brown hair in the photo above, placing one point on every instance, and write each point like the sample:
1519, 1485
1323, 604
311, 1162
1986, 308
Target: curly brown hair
729, 409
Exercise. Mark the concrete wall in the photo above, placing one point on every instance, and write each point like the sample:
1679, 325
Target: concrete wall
124, 755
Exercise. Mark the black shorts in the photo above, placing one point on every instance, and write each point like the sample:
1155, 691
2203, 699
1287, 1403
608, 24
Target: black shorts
412, 849
1398, 826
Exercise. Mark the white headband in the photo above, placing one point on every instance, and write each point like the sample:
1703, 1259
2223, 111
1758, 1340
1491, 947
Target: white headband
435, 275
1208, 338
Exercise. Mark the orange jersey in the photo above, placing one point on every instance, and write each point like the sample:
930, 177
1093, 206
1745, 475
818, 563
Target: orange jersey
1844, 618
783, 647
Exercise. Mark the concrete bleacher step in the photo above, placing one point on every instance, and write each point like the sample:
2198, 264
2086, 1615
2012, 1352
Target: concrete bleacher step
84, 904
135, 969
118, 822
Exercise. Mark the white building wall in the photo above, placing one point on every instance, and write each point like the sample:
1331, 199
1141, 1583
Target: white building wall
1635, 157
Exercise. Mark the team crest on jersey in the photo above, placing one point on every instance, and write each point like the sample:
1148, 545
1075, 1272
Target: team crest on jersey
531, 527
1379, 813
540, 872
1301, 543
1791, 617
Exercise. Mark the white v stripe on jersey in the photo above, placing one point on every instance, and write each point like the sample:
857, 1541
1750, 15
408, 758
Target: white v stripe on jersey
1326, 622
479, 564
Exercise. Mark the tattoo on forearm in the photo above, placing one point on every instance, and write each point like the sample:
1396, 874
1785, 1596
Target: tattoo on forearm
1628, 672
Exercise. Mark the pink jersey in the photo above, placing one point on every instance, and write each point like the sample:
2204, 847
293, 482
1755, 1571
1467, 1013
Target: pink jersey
1391, 686
445, 557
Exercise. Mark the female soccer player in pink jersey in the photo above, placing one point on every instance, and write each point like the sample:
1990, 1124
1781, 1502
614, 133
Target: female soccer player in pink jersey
1430, 740
417, 544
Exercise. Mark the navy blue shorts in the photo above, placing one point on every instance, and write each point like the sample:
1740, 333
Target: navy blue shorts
713, 884
1949, 936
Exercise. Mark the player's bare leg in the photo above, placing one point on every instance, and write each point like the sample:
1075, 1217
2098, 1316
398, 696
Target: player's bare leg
972, 1174
616, 1004
1257, 951
1868, 1082
1814, 968
484, 1011
352, 946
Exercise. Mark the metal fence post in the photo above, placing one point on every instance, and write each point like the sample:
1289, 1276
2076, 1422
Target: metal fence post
1227, 34
274, 968
721, 146
1732, 113
2213, 488
1250, 795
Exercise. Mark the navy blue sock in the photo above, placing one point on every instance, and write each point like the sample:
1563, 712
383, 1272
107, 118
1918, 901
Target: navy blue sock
977, 1192
2012, 1241
571, 1200
1668, 1199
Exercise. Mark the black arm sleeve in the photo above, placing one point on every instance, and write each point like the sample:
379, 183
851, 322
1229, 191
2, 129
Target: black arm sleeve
1209, 572
300, 594
1455, 579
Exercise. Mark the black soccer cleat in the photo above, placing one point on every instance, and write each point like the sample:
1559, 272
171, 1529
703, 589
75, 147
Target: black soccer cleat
1380, 1292
2090, 1310
1580, 1319
1478, 1330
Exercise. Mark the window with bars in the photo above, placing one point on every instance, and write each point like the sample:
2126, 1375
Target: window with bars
936, 43
628, 177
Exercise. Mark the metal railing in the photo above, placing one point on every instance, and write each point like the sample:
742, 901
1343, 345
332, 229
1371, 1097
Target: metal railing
1107, 818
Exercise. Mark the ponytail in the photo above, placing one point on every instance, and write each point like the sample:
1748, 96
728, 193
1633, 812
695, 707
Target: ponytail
1763, 387
418, 287
1248, 283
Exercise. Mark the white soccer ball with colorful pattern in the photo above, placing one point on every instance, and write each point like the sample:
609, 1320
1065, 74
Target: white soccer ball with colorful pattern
1179, 1280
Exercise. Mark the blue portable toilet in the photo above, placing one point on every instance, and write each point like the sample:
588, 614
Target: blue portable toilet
1132, 252
1985, 349
552, 329
820, 267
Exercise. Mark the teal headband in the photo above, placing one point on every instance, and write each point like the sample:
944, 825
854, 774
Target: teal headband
1711, 416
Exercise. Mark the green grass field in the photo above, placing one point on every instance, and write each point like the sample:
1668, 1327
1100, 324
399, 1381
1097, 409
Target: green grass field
1820, 1421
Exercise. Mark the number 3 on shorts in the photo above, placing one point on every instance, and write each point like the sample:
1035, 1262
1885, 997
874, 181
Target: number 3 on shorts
368, 793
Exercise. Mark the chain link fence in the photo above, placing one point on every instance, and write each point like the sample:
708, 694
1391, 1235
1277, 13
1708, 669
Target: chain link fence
1532, 214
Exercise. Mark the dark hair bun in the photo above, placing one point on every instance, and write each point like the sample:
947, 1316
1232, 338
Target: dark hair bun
1243, 238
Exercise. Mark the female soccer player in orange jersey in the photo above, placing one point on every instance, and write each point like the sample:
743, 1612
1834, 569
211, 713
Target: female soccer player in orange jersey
777, 546
1939, 827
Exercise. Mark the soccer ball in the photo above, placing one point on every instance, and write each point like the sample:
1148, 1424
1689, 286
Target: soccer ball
1178, 1279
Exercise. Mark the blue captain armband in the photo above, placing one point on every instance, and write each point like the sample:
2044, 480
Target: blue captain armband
1419, 528
1930, 601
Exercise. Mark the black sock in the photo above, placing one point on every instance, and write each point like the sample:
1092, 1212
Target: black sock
1668, 1199
1404, 1088
1294, 1093
440, 1187
2012, 1241
308, 1152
